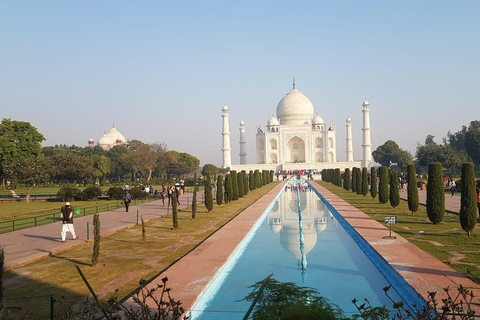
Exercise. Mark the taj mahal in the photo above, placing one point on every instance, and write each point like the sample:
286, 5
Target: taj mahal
296, 139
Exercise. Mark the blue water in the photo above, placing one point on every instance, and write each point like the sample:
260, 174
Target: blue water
335, 264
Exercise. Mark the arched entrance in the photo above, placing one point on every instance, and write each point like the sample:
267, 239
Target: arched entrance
296, 150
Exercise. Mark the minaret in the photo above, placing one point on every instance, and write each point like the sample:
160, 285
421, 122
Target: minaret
243, 149
367, 143
227, 155
349, 140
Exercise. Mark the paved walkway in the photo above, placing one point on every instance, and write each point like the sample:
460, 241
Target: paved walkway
190, 276
451, 204
28, 245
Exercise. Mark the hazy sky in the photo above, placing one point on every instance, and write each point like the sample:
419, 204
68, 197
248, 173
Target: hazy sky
162, 71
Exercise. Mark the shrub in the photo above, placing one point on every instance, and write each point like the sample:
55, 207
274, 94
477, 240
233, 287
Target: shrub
394, 195
412, 189
96, 239
240, 184
373, 183
358, 180
419, 183
138, 193
347, 182
468, 202
233, 176
383, 185
435, 193
245, 182
92, 192
116, 193
208, 193
364, 181
354, 180
219, 195
67, 193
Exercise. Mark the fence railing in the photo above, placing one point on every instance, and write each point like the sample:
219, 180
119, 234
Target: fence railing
17, 224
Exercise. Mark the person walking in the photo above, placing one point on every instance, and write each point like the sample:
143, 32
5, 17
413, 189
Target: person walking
453, 188
127, 199
67, 222
478, 202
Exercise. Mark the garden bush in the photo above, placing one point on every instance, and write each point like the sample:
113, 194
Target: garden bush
138, 193
92, 192
116, 193
67, 193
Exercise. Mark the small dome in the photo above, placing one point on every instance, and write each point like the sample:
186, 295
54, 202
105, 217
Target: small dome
276, 228
242, 123
273, 122
318, 120
294, 108
349, 120
105, 141
365, 103
225, 108
91, 140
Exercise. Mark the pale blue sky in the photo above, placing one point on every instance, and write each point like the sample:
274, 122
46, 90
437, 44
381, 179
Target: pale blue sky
161, 71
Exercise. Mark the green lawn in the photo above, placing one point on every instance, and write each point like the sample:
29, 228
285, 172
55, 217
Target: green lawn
124, 259
445, 241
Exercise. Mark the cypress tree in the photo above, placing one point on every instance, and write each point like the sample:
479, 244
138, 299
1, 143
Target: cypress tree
468, 201
96, 239
228, 188
358, 180
373, 183
219, 190
272, 175
194, 200
2, 265
324, 174
347, 182
240, 184
435, 193
394, 194
412, 190
354, 180
175, 209
251, 181
208, 194
257, 179
364, 181
144, 232
245, 182
383, 185
338, 177
233, 175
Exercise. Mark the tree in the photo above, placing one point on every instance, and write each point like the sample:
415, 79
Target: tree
175, 208
354, 180
435, 193
240, 184
245, 182
257, 177
364, 181
390, 153
211, 169
347, 182
394, 194
373, 183
251, 181
338, 177
208, 193
145, 159
228, 188
194, 200
19, 140
117, 169
383, 185
472, 145
30, 171
412, 190
233, 175
101, 167
180, 163
358, 180
96, 239
219, 190
468, 202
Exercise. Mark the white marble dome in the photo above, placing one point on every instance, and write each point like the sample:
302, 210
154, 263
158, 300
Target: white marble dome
116, 136
105, 141
273, 122
318, 120
294, 108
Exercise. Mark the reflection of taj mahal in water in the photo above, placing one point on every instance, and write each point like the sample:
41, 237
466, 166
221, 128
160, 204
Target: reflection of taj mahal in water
284, 220
297, 139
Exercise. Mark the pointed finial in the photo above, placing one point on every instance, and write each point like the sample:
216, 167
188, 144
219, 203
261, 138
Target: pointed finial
114, 125
293, 83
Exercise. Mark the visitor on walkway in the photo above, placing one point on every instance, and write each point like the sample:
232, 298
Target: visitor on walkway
127, 199
478, 203
67, 222
453, 188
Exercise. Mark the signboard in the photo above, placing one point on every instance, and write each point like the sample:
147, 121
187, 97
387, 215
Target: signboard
77, 211
390, 220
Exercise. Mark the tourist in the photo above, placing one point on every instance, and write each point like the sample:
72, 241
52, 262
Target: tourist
67, 222
453, 188
127, 199
478, 203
